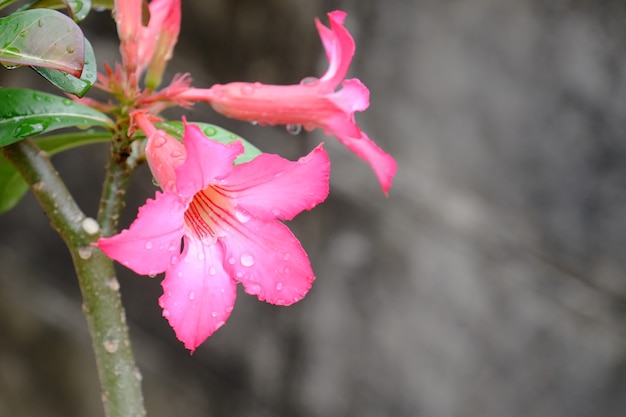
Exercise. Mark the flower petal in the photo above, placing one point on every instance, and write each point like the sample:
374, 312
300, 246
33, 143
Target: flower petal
339, 46
207, 161
269, 261
198, 295
153, 240
382, 163
270, 186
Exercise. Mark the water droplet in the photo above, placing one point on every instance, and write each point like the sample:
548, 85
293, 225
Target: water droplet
308, 80
293, 129
67, 101
214, 314
247, 89
229, 309
152, 274
210, 131
148, 245
158, 140
242, 215
166, 313
286, 257
231, 260
276, 212
192, 295
40, 23
239, 274
296, 298
222, 290
247, 259
212, 270
201, 256
174, 260
180, 273
176, 154
279, 286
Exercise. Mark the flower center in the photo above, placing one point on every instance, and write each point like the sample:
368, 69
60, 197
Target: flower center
210, 214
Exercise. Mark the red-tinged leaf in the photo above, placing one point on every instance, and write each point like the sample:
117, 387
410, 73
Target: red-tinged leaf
43, 38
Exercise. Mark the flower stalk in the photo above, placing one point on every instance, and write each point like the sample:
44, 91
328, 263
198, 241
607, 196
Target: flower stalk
120, 379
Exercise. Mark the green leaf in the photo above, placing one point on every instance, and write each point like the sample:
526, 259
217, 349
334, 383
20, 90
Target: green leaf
25, 113
5, 3
78, 9
69, 83
216, 133
43, 38
12, 185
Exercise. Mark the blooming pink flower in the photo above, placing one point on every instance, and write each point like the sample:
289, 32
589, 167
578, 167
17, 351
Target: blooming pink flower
313, 103
228, 218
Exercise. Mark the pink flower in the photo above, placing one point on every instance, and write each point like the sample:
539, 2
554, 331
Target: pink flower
228, 219
313, 103
147, 46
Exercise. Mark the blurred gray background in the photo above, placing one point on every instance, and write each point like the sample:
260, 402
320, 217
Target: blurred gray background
491, 282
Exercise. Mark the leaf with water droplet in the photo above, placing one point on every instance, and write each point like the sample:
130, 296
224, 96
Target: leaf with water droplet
69, 83
12, 185
44, 38
216, 133
25, 113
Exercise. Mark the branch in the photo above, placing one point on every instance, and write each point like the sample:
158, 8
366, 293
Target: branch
119, 376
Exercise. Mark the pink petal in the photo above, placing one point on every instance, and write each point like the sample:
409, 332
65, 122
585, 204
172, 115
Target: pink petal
164, 154
207, 161
269, 261
382, 163
153, 240
198, 295
163, 28
339, 47
353, 96
270, 186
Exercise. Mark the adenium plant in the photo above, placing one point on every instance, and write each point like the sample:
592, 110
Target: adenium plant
217, 218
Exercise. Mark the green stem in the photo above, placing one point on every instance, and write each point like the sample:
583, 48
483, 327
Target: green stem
117, 178
119, 377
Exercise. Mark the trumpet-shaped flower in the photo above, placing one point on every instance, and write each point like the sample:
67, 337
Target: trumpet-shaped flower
228, 217
328, 103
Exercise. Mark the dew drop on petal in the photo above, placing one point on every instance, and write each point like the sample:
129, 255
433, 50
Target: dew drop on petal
239, 274
276, 212
247, 89
308, 80
286, 257
180, 274
279, 286
148, 245
212, 270
293, 129
242, 215
166, 313
229, 309
201, 256
231, 260
296, 299
192, 295
214, 314
247, 259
